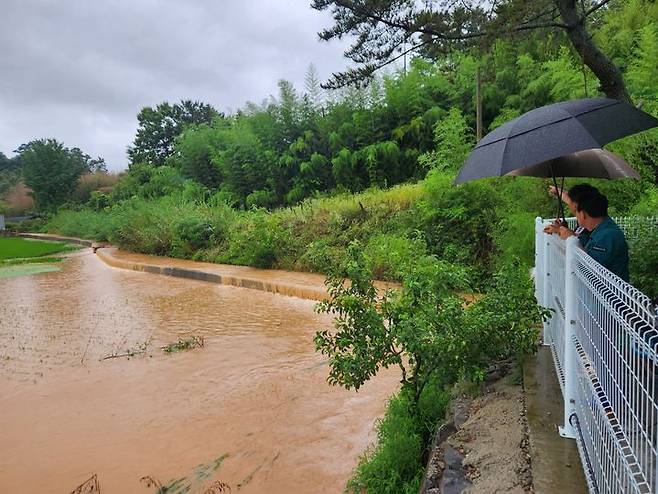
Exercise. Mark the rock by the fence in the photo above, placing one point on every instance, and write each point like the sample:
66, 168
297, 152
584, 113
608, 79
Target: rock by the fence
435, 464
454, 479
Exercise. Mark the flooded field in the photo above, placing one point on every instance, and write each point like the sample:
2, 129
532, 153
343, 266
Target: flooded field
250, 409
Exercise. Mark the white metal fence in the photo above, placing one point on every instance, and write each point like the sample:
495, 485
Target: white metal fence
603, 334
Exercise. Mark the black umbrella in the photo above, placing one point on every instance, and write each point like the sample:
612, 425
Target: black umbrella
552, 131
592, 163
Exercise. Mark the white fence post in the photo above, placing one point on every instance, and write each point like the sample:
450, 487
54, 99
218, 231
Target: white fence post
544, 240
540, 271
570, 318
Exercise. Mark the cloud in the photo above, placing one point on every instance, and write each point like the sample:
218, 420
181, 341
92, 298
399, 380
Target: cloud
80, 71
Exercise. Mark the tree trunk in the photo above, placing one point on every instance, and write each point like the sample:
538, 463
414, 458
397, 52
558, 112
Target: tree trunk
609, 75
478, 105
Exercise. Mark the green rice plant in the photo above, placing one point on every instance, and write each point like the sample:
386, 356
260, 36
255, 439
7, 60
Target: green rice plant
21, 248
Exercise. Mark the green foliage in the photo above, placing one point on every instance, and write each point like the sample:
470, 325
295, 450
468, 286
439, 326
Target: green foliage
51, 171
194, 149
643, 71
514, 237
503, 323
394, 465
643, 264
253, 240
193, 233
454, 141
10, 173
459, 222
435, 339
388, 255
86, 223
159, 127
14, 247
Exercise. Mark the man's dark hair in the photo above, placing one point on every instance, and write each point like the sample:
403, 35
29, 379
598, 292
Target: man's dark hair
594, 204
578, 190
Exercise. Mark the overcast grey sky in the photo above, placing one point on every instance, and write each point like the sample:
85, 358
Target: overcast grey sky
80, 70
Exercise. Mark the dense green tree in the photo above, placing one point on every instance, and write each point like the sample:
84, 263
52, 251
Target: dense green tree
10, 172
52, 171
193, 155
313, 93
159, 127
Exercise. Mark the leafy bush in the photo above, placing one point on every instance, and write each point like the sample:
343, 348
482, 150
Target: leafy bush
192, 234
253, 240
514, 237
643, 264
94, 182
85, 223
394, 466
459, 222
389, 255
320, 256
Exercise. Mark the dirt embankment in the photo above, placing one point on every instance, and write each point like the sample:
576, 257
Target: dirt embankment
485, 446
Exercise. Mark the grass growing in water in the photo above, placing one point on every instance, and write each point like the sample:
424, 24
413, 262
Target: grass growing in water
11, 271
14, 247
184, 344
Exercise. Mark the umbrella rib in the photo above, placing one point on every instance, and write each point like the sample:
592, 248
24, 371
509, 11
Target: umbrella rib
525, 132
550, 123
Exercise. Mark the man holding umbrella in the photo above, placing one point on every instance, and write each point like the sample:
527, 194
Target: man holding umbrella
605, 242
571, 200
565, 140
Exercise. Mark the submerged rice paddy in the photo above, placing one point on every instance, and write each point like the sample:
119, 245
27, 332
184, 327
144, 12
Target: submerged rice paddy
20, 256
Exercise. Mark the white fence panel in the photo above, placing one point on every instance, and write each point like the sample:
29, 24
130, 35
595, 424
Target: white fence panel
604, 336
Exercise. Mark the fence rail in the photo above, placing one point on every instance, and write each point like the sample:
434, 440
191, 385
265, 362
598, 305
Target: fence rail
603, 334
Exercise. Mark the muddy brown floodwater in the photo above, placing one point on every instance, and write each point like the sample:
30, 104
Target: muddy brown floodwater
250, 409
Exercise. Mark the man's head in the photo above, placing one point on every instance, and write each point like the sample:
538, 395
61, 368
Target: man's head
591, 209
579, 190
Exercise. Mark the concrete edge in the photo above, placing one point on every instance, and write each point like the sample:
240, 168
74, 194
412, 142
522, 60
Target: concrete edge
289, 290
57, 238
286, 289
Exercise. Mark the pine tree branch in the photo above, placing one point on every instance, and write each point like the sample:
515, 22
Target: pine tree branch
594, 8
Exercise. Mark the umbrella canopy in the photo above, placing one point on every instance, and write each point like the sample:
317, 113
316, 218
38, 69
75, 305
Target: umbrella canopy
552, 131
593, 163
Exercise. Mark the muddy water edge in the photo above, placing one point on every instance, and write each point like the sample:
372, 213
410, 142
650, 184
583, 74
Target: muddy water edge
250, 409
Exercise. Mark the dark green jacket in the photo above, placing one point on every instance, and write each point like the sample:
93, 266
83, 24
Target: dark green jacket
607, 245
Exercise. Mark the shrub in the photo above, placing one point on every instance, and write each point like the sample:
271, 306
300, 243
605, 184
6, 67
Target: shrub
643, 264
144, 226
192, 234
86, 223
94, 182
395, 464
388, 255
253, 240
514, 237
458, 222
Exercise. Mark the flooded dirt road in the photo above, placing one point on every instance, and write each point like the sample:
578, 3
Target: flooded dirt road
250, 409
